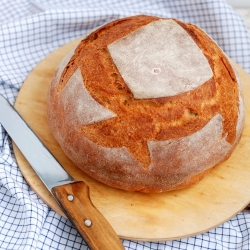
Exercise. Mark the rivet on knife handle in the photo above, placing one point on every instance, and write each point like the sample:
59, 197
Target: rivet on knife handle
91, 224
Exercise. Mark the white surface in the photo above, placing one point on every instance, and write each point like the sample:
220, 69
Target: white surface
239, 3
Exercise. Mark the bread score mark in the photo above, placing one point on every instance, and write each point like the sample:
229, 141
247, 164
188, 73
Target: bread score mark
155, 119
160, 59
93, 111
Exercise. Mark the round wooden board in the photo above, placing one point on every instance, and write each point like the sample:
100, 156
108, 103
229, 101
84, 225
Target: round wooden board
149, 217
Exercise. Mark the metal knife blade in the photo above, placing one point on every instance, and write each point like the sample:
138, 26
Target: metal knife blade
42, 161
73, 197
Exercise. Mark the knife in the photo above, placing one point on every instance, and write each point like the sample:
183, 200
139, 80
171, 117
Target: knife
73, 197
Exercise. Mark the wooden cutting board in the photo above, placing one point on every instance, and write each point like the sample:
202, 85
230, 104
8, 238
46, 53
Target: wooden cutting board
223, 193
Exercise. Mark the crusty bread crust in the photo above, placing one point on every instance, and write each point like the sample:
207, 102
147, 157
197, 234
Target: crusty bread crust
146, 145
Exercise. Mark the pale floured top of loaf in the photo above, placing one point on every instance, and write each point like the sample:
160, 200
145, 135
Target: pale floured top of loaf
160, 59
79, 106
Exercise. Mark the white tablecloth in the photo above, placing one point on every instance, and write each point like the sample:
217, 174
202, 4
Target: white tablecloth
29, 31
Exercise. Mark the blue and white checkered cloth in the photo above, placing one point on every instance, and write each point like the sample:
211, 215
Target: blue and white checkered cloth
29, 31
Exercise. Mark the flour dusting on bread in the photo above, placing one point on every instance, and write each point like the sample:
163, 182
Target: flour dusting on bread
79, 106
160, 59
146, 104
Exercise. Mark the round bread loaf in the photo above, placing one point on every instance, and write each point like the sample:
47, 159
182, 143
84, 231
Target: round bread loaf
146, 104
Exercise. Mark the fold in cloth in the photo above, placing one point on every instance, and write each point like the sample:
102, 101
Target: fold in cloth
29, 31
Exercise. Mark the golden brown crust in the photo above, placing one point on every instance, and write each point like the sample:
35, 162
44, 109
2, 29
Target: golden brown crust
155, 119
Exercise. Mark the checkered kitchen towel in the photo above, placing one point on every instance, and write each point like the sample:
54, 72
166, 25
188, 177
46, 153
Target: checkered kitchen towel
29, 31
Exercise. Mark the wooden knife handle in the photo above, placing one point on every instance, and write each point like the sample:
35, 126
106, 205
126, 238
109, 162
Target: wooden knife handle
91, 224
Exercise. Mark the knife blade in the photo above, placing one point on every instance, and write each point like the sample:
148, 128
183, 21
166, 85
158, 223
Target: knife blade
73, 197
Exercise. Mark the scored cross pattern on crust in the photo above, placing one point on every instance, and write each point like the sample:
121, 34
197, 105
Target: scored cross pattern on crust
138, 121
